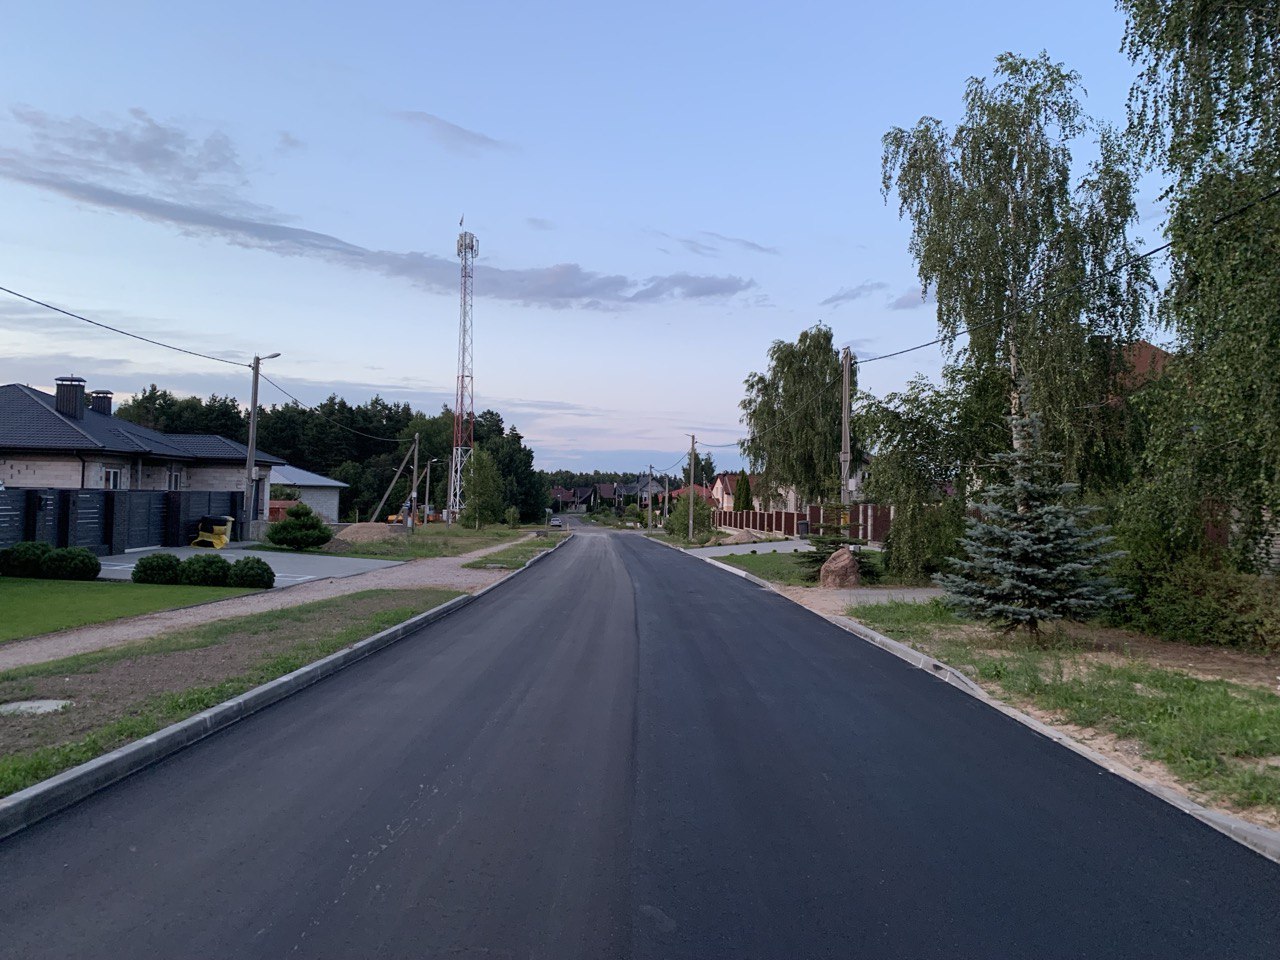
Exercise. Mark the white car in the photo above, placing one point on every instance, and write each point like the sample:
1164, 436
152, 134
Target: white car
557, 522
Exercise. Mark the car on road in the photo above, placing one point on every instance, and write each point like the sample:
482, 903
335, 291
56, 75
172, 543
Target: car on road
557, 522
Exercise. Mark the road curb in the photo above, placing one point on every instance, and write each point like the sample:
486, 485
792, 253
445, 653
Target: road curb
1261, 840
26, 807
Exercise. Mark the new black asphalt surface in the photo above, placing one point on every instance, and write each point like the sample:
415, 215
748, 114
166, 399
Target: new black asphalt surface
627, 753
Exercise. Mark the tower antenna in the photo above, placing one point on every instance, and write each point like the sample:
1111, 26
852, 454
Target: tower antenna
464, 406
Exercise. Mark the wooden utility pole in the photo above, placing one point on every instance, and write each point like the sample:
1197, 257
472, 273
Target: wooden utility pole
412, 519
846, 364
693, 455
648, 499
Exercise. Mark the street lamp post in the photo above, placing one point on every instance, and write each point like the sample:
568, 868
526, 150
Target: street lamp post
250, 493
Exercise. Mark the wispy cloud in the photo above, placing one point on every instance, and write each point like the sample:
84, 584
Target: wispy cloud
160, 174
287, 142
539, 224
846, 294
912, 299
451, 136
699, 248
740, 242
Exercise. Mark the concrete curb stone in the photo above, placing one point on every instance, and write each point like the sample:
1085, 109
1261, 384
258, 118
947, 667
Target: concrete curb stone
1259, 839
26, 807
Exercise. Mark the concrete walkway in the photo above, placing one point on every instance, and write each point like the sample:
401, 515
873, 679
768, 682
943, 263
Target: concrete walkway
290, 568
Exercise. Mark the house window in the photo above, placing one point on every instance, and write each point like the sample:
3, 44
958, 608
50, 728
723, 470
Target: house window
111, 478
175, 478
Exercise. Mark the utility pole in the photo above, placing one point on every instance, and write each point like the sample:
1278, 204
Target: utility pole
250, 490
666, 501
693, 455
846, 365
412, 520
648, 498
426, 487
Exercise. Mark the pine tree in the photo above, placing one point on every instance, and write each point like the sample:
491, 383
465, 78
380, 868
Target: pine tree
1033, 556
742, 493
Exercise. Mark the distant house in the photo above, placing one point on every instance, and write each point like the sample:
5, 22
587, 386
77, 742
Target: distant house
561, 498
698, 489
317, 492
724, 491
70, 441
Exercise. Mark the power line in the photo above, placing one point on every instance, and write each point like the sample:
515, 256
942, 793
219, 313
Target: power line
125, 333
336, 423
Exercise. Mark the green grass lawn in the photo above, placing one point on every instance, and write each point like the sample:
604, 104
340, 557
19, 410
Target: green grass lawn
432, 540
782, 568
517, 555
124, 693
33, 607
1220, 737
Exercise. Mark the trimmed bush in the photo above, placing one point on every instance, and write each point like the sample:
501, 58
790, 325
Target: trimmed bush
1198, 603
70, 563
512, 517
157, 568
300, 529
204, 570
251, 572
24, 559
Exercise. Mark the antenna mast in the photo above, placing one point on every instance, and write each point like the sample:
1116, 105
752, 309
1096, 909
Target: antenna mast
464, 407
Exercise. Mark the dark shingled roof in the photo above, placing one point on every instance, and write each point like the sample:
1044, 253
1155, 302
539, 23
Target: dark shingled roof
29, 420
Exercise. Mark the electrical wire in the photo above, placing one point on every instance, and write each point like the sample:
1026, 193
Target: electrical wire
342, 426
126, 333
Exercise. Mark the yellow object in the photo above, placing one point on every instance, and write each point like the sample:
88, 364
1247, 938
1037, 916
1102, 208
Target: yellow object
210, 533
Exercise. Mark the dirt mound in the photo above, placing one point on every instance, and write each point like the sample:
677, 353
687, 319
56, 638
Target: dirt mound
742, 536
367, 533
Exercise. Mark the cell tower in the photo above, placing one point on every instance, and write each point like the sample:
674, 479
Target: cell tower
464, 405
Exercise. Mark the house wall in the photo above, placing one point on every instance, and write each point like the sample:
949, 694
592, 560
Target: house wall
227, 477
323, 500
41, 472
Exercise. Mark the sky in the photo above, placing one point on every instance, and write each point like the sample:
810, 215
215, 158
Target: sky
659, 192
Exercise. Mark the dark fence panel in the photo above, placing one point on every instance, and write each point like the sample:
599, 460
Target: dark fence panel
86, 520
13, 517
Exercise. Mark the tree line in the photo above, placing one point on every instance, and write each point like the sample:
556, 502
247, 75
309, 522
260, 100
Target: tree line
362, 445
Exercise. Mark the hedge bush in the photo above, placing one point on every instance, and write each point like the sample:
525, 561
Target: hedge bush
157, 568
251, 572
70, 563
1196, 602
300, 529
24, 559
204, 570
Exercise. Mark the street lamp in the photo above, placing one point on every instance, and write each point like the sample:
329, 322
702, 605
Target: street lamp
250, 493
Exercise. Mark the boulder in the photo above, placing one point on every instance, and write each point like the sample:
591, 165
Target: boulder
840, 570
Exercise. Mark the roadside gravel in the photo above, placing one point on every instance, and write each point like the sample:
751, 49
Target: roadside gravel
444, 572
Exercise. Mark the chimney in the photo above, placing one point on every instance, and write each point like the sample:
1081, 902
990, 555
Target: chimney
100, 402
69, 397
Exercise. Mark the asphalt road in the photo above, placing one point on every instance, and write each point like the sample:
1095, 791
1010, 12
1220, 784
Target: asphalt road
627, 753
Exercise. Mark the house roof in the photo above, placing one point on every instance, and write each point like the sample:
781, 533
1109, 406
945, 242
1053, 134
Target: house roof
698, 488
606, 490
287, 475
29, 420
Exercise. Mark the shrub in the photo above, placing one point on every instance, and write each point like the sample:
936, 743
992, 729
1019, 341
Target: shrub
70, 563
251, 572
512, 516
156, 568
300, 529
1198, 601
24, 559
204, 570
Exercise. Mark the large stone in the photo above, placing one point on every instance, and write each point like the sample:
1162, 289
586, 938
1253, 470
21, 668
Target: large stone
840, 570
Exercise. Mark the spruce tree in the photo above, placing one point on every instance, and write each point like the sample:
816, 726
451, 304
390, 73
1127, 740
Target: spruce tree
742, 493
1032, 556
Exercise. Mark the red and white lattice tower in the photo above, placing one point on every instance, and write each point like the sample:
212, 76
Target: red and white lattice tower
464, 406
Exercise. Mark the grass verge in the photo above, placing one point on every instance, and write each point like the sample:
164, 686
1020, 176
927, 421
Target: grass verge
783, 568
128, 692
433, 540
33, 607
515, 557
1219, 737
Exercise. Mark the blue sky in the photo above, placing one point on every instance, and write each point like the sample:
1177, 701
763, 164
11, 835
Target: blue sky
659, 192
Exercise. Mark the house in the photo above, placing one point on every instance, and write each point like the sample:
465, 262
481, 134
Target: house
725, 487
70, 442
561, 498
606, 494
699, 490
317, 492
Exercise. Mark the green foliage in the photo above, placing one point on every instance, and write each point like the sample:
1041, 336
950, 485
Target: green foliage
742, 492
999, 221
924, 538
204, 570
792, 413
811, 561
251, 572
1204, 108
1031, 558
70, 563
678, 519
482, 489
24, 559
512, 516
157, 568
300, 529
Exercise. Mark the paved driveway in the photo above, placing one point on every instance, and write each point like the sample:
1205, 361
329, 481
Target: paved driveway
290, 568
